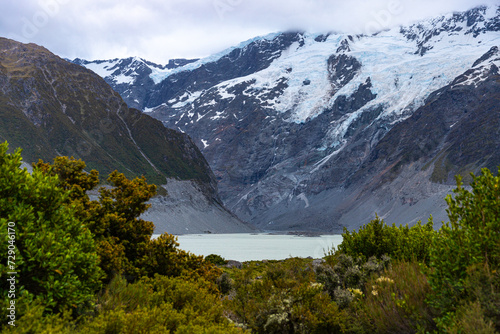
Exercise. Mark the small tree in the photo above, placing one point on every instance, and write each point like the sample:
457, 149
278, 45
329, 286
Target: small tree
54, 256
121, 236
471, 238
123, 239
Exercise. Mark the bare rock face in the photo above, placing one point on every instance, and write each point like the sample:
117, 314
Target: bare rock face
186, 210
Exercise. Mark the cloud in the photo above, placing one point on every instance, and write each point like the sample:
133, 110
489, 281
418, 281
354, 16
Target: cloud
159, 30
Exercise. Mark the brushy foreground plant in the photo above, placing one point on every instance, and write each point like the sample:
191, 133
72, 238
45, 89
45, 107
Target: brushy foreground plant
123, 239
151, 305
52, 252
395, 301
343, 277
282, 297
382, 279
470, 239
398, 242
159, 305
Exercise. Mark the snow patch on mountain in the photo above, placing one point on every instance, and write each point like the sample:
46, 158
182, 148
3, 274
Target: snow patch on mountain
102, 68
186, 99
158, 74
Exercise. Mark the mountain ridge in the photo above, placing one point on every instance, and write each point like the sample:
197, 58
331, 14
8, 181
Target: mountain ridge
305, 120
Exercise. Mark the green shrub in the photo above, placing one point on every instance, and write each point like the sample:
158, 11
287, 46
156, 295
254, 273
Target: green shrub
470, 318
470, 238
216, 259
34, 317
348, 276
282, 297
482, 286
159, 305
163, 257
120, 235
123, 239
377, 238
55, 255
224, 283
395, 301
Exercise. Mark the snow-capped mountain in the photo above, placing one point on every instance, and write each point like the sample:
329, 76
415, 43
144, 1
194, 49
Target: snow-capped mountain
296, 120
132, 77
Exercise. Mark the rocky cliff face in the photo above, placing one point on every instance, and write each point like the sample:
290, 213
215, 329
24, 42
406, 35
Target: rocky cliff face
308, 131
51, 107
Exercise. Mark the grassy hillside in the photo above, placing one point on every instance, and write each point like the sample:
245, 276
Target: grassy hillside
51, 107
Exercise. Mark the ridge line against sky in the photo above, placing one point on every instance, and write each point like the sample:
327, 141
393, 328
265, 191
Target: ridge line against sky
159, 30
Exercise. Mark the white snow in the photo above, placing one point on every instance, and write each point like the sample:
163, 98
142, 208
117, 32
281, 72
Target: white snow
400, 77
153, 108
103, 69
124, 79
479, 74
217, 116
187, 98
106, 69
158, 75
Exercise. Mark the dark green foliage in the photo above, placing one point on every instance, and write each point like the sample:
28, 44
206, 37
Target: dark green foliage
482, 286
470, 318
159, 305
224, 283
382, 279
163, 257
377, 239
216, 259
55, 255
36, 318
123, 239
121, 236
117, 218
471, 238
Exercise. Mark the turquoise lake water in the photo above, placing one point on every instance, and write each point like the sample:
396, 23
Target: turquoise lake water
248, 247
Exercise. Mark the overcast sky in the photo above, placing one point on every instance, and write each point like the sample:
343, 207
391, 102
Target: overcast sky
159, 30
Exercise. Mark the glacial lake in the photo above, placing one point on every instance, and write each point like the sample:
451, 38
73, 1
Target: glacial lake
247, 247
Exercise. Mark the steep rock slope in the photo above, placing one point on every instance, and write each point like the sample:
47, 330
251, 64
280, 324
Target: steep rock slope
51, 107
457, 130
291, 123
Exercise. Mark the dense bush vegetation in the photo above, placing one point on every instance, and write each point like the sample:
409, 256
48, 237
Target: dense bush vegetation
90, 266
53, 253
398, 242
465, 256
123, 240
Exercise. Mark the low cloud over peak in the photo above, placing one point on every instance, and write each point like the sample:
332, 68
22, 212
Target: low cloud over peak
159, 30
